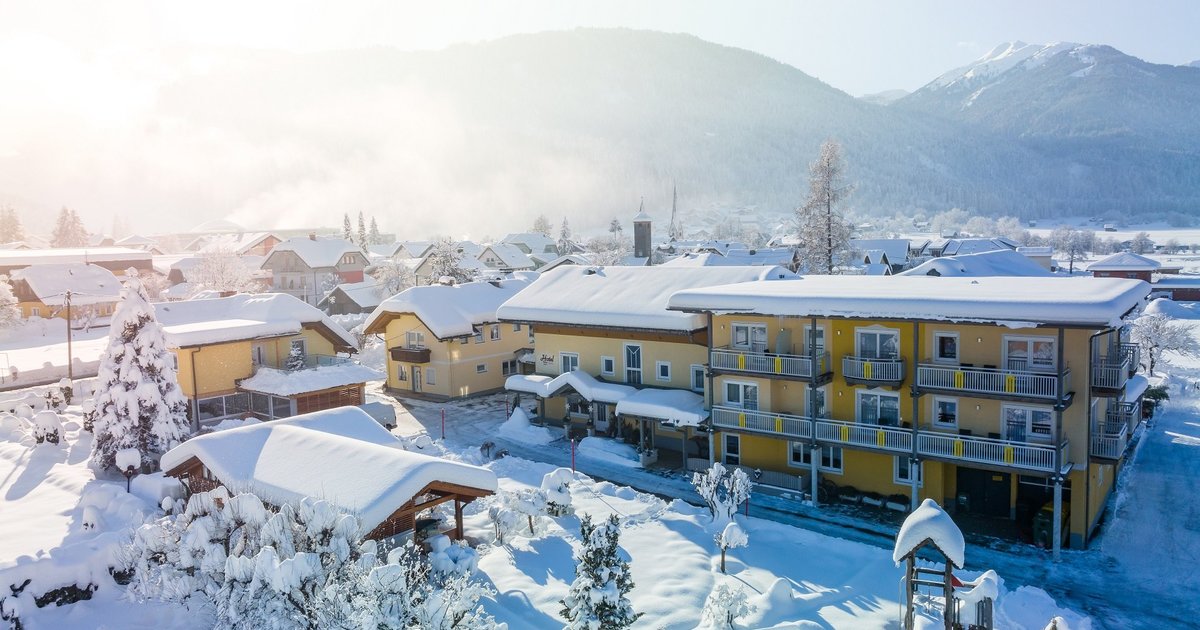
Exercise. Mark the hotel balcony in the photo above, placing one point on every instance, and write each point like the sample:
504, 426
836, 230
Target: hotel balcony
992, 382
872, 371
794, 366
779, 424
1109, 373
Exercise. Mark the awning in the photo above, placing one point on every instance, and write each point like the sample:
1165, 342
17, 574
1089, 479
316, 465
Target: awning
672, 406
586, 385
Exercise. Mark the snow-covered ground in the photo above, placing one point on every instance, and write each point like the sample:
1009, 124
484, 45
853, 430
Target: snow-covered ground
38, 350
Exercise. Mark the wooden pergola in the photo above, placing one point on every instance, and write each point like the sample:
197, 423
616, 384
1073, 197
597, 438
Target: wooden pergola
432, 495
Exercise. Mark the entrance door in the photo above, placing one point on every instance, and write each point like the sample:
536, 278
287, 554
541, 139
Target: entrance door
600, 417
985, 492
416, 378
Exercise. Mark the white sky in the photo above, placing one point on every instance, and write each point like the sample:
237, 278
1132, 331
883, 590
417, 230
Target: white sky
79, 81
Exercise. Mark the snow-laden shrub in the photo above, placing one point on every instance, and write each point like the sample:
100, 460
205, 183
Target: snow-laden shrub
11, 427
723, 490
598, 597
47, 427
556, 486
24, 410
504, 519
725, 605
732, 537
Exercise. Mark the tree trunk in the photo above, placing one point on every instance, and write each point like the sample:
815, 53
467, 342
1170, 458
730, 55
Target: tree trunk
722, 559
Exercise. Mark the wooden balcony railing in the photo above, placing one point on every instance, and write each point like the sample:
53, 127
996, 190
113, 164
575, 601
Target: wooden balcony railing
991, 381
800, 366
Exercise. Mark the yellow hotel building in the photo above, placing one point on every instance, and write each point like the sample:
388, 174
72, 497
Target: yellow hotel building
997, 397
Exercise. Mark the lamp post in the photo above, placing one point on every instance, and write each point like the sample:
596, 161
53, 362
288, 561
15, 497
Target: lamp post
70, 367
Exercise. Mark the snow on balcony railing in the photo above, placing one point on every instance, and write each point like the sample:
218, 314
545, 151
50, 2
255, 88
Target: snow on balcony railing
987, 450
988, 380
869, 369
763, 363
762, 421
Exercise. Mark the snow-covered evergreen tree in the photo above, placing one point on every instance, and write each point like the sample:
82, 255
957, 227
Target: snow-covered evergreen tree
10, 313
138, 403
373, 235
564, 237
615, 228
725, 605
10, 226
824, 232
598, 597
347, 230
556, 488
295, 359
69, 230
362, 231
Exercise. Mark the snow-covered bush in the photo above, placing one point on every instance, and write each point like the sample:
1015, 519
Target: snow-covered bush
67, 389
556, 486
10, 313
725, 605
532, 503
24, 410
47, 427
504, 519
138, 400
723, 490
598, 597
732, 537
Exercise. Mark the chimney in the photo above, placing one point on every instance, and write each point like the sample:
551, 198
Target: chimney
312, 236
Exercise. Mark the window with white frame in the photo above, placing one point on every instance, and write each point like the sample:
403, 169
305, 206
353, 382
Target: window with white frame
175, 361
1028, 424
752, 337
902, 471
697, 381
531, 333
733, 449
633, 364
516, 328
1035, 354
800, 456
815, 337
508, 367
401, 372
608, 366
821, 398
877, 343
945, 347
881, 408
479, 335
430, 377
741, 395
414, 339
495, 332
662, 370
480, 368
568, 362
945, 412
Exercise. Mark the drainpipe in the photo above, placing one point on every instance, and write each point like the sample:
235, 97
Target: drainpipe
1087, 478
710, 395
814, 451
195, 390
1056, 543
914, 463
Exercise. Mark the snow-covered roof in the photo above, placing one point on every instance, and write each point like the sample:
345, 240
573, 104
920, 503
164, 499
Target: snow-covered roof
340, 455
219, 320
537, 242
26, 257
622, 297
566, 259
1135, 387
320, 252
365, 294
238, 243
960, 246
641, 216
510, 256
999, 300
285, 383
733, 258
88, 284
895, 248
677, 407
447, 311
135, 240
583, 383
1125, 261
635, 261
387, 250
876, 269
416, 249
930, 522
1003, 262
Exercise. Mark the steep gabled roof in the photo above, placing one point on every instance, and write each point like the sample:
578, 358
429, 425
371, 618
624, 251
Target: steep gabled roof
511, 256
366, 294
317, 253
536, 242
448, 311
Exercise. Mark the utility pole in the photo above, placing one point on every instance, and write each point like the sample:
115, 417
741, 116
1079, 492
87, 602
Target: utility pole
70, 367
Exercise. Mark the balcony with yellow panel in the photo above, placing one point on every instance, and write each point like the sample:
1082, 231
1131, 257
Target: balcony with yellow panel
729, 360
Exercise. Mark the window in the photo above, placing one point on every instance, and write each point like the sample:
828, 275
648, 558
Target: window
633, 364
1028, 424
801, 457
879, 408
36, 311
608, 366
298, 344
479, 335
1030, 353
516, 328
697, 377
945, 347
877, 344
902, 471
945, 412
401, 372
817, 339
175, 361
464, 341
481, 368
414, 339
752, 337
568, 362
258, 354
531, 333
820, 396
742, 395
495, 332
430, 377
733, 449
579, 406
508, 367
662, 370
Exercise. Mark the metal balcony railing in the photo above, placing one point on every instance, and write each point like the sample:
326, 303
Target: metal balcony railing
873, 370
1110, 372
992, 381
894, 439
762, 422
981, 450
801, 366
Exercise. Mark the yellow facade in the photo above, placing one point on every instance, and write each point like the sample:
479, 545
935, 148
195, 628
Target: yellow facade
867, 471
218, 367
459, 368
38, 309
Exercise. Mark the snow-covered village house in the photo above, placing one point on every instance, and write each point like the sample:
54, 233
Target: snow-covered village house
268, 355
609, 355
505, 257
41, 291
996, 397
115, 259
353, 298
328, 455
309, 267
445, 341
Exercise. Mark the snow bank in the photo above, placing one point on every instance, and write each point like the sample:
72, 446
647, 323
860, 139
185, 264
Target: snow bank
1031, 607
518, 429
285, 383
930, 522
1171, 308
155, 487
608, 450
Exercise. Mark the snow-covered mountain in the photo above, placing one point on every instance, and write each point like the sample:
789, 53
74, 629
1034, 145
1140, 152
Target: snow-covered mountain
886, 97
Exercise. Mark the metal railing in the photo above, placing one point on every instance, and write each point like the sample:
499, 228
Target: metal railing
886, 438
988, 450
869, 369
989, 380
762, 421
1133, 353
1111, 372
765, 363
1127, 413
1109, 440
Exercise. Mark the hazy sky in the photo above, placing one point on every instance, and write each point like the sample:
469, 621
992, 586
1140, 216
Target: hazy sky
80, 80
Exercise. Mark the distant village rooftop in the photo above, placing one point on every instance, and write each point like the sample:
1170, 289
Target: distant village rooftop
999, 300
